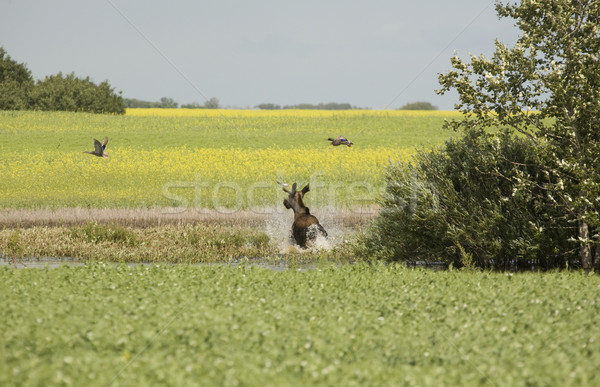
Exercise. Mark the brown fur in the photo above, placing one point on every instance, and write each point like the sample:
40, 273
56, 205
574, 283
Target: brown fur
303, 220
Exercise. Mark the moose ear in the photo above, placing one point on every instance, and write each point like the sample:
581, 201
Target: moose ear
294, 188
305, 189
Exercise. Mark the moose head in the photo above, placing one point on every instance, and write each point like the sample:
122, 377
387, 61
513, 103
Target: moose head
306, 227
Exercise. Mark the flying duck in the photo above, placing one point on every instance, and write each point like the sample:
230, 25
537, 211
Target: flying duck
340, 140
99, 148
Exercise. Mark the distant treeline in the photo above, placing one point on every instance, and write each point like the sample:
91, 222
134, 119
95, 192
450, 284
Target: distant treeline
169, 103
320, 106
213, 103
18, 91
418, 106
342, 106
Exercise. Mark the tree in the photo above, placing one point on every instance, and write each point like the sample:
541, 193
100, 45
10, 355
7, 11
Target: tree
322, 106
193, 105
168, 103
15, 83
457, 204
70, 93
419, 106
138, 103
268, 106
212, 103
547, 88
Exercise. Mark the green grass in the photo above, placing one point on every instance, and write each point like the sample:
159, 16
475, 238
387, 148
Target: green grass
102, 325
73, 132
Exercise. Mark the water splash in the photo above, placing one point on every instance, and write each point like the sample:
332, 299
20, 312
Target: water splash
279, 229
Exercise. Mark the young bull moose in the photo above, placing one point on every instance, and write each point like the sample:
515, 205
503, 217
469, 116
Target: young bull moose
306, 226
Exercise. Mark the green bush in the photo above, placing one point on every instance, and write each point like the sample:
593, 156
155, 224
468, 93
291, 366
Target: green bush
461, 205
55, 92
70, 93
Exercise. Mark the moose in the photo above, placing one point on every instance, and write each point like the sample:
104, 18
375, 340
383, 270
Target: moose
306, 227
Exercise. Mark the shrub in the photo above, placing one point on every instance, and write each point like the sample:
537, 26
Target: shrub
461, 201
69, 93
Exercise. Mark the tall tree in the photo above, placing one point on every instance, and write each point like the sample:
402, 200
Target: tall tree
15, 83
546, 87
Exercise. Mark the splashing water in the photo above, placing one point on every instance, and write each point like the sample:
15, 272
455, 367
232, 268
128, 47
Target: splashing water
279, 229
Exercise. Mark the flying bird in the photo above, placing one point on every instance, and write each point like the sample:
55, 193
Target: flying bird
341, 140
99, 148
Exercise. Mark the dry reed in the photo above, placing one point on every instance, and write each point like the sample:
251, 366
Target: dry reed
151, 217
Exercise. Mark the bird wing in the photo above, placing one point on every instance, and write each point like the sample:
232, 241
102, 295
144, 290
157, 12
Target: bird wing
104, 142
98, 147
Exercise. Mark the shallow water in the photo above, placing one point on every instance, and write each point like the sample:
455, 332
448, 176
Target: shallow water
279, 229
53, 263
39, 263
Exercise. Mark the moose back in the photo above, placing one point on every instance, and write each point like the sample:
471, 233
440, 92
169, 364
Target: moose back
306, 227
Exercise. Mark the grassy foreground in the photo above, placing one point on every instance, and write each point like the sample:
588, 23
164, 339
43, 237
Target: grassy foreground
101, 325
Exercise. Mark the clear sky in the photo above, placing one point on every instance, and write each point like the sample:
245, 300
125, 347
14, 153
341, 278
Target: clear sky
376, 54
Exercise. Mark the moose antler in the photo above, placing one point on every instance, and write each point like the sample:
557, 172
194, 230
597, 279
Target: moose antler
283, 185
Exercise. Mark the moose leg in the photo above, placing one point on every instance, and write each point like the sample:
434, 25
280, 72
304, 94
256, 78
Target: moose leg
300, 236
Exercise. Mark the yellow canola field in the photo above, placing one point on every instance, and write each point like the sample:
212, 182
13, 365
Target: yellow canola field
206, 158
200, 177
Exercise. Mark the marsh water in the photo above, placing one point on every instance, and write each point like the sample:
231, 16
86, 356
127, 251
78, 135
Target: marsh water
53, 263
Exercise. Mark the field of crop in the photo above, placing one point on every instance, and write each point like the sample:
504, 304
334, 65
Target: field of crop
307, 318
213, 159
350, 325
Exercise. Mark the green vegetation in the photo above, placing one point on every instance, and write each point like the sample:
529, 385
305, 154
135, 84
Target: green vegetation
16, 82
268, 106
321, 106
55, 92
526, 193
309, 106
461, 205
419, 106
350, 325
64, 132
164, 103
169, 103
212, 103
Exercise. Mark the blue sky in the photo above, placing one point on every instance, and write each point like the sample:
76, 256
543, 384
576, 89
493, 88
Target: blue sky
376, 54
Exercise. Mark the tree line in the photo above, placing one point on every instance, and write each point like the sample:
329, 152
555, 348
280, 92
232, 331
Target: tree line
342, 106
18, 91
169, 103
